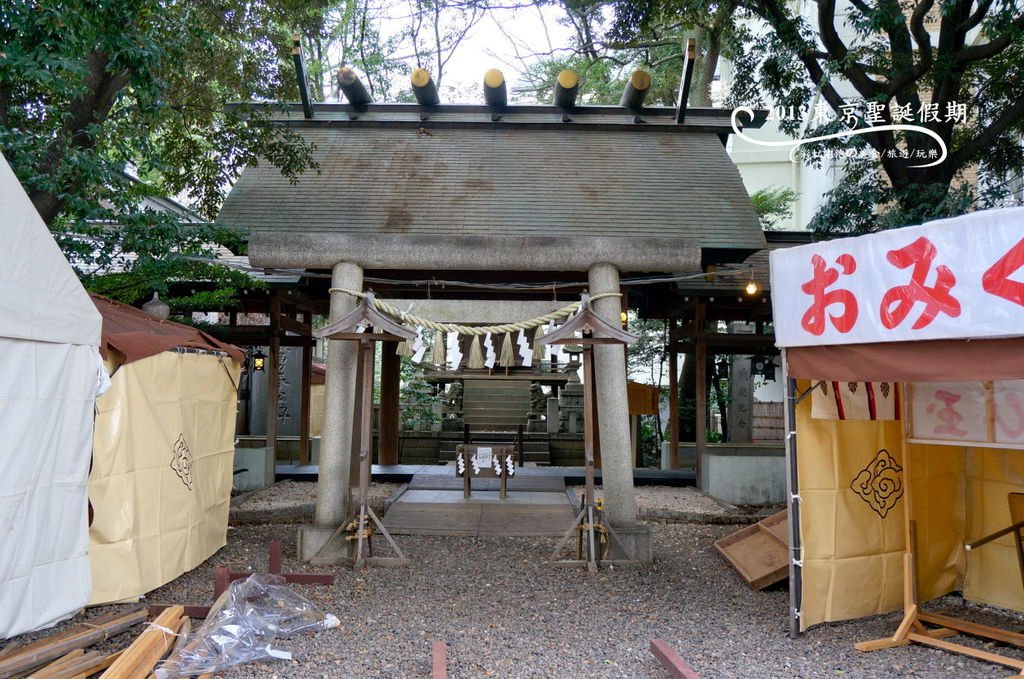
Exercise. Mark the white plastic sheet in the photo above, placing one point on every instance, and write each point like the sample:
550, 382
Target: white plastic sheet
47, 392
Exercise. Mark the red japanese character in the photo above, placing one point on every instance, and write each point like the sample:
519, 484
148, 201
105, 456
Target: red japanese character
947, 414
996, 280
823, 276
900, 300
1015, 405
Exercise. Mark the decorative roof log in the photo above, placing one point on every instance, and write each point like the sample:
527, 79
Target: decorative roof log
567, 86
637, 87
495, 93
300, 75
424, 88
349, 83
687, 79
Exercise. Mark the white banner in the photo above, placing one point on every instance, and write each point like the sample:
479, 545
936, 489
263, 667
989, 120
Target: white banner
949, 279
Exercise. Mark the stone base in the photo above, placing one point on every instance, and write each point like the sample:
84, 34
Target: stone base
258, 464
311, 538
636, 540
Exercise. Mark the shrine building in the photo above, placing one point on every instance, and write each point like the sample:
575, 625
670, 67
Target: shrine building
499, 211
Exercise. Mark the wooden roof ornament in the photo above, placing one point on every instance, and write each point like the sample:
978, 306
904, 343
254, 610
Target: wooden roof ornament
593, 328
365, 316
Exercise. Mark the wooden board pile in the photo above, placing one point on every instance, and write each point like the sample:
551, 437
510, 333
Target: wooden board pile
64, 656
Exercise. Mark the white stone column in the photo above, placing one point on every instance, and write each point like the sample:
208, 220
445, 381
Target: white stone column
612, 405
333, 489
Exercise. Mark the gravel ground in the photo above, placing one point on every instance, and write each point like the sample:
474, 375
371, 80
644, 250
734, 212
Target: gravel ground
503, 614
288, 501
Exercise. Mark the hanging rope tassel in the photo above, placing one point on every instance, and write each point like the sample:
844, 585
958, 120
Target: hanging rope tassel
507, 359
540, 351
404, 348
476, 354
437, 353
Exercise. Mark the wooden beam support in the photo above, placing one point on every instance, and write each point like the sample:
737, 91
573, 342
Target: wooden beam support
305, 397
273, 376
687, 79
673, 399
388, 425
289, 324
701, 369
300, 76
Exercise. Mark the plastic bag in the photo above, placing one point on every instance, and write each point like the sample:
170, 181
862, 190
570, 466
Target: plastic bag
242, 626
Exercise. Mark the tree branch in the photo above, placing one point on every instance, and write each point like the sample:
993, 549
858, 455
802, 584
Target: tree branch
969, 151
839, 53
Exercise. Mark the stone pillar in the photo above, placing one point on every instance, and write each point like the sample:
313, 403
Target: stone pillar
612, 405
333, 490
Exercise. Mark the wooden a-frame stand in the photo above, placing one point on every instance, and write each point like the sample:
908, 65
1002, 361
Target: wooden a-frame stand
590, 521
912, 629
365, 325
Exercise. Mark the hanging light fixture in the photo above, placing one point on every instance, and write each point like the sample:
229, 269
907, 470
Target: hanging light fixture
752, 287
259, 360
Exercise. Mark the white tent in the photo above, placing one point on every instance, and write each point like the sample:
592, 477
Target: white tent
49, 378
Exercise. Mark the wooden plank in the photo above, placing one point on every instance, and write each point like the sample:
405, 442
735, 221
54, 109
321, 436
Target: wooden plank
390, 367
974, 628
880, 644
671, 661
86, 672
439, 661
43, 651
273, 378
57, 664
966, 650
155, 641
701, 367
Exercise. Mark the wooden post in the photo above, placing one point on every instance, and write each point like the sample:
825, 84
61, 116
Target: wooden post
365, 446
273, 378
390, 363
673, 397
589, 462
305, 389
357, 421
702, 389
634, 436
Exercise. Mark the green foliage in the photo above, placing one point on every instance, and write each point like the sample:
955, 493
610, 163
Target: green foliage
417, 396
649, 442
772, 205
891, 60
91, 90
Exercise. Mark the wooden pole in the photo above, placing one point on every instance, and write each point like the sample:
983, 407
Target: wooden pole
589, 427
637, 87
673, 397
702, 389
365, 445
387, 442
305, 389
357, 421
273, 377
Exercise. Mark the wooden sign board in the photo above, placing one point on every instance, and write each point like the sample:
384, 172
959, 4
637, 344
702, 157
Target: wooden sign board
485, 462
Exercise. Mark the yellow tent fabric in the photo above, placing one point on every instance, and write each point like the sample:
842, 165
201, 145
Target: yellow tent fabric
852, 504
160, 485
